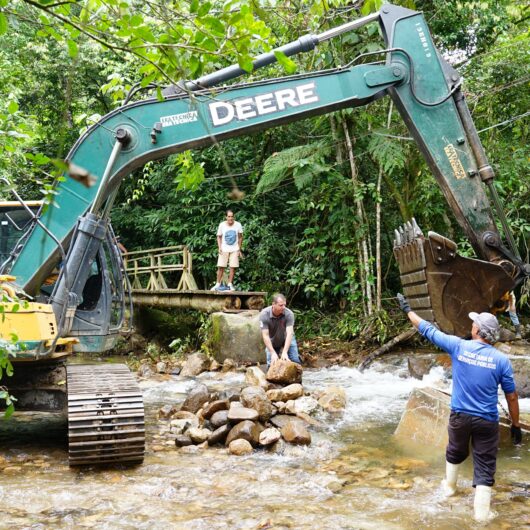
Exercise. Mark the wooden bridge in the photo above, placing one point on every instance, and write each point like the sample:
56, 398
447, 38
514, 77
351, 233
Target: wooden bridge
163, 277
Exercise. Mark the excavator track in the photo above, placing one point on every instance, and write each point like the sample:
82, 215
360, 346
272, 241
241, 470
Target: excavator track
105, 415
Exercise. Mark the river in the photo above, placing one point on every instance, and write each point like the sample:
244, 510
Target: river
353, 476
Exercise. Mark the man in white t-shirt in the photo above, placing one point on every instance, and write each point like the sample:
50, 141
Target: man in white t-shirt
230, 242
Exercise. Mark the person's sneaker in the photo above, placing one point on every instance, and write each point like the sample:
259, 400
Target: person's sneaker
231, 287
223, 288
216, 287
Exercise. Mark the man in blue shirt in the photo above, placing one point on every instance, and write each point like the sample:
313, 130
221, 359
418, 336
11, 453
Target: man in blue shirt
478, 370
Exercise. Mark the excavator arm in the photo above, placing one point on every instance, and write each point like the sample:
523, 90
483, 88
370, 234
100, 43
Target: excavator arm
427, 93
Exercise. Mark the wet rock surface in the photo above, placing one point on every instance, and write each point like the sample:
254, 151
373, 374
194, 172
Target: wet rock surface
251, 413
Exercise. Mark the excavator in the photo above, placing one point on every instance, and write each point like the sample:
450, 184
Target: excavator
82, 308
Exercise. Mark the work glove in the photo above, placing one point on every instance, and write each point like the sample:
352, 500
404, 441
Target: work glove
403, 303
517, 435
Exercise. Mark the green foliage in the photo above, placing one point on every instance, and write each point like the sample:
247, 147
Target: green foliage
302, 163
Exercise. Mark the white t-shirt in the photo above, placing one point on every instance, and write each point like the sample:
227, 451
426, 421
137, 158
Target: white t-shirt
230, 236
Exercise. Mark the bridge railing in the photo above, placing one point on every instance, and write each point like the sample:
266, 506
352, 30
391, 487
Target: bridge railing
147, 268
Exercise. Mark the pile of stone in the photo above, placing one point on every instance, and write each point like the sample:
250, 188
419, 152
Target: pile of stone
268, 412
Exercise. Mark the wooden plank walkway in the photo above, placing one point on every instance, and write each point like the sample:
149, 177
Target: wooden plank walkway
152, 271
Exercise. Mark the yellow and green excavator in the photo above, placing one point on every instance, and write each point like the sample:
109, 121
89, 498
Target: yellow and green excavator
81, 308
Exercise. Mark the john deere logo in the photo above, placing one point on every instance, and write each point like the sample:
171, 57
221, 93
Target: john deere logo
224, 112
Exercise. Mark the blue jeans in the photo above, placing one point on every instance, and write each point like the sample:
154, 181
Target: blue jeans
514, 318
292, 353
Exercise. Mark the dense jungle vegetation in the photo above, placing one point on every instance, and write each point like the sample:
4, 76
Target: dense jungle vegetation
318, 199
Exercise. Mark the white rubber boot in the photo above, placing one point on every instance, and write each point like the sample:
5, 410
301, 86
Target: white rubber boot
482, 503
451, 476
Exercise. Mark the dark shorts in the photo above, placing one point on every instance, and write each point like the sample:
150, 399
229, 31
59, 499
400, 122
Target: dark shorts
484, 437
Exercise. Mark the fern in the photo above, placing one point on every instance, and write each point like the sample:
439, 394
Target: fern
303, 163
388, 153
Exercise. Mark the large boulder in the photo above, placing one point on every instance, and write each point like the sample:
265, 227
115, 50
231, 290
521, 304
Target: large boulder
254, 397
196, 399
195, 364
426, 416
285, 372
236, 336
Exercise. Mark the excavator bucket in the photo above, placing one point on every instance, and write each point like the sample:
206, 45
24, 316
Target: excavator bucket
443, 287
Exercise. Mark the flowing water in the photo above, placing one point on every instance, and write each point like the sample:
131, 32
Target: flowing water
353, 475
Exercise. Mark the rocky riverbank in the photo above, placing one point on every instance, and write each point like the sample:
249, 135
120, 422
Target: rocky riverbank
268, 412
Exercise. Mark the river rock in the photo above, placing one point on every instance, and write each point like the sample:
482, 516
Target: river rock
229, 365
219, 435
290, 407
199, 435
254, 376
247, 430
195, 364
184, 415
280, 406
166, 412
420, 365
285, 372
333, 399
230, 394
240, 447
214, 366
295, 433
277, 448
161, 367
293, 391
236, 335
269, 436
240, 413
305, 405
280, 420
215, 406
254, 397
521, 375
219, 418
144, 370
180, 426
196, 399
181, 440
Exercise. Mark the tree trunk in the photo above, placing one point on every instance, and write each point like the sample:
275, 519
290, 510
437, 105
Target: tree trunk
362, 219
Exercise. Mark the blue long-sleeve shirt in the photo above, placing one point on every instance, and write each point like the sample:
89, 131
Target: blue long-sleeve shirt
478, 370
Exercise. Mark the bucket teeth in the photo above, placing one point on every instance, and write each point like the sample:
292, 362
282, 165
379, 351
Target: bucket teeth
417, 229
397, 239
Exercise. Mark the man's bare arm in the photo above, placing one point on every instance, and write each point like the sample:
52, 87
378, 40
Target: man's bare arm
513, 407
268, 344
219, 241
288, 339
